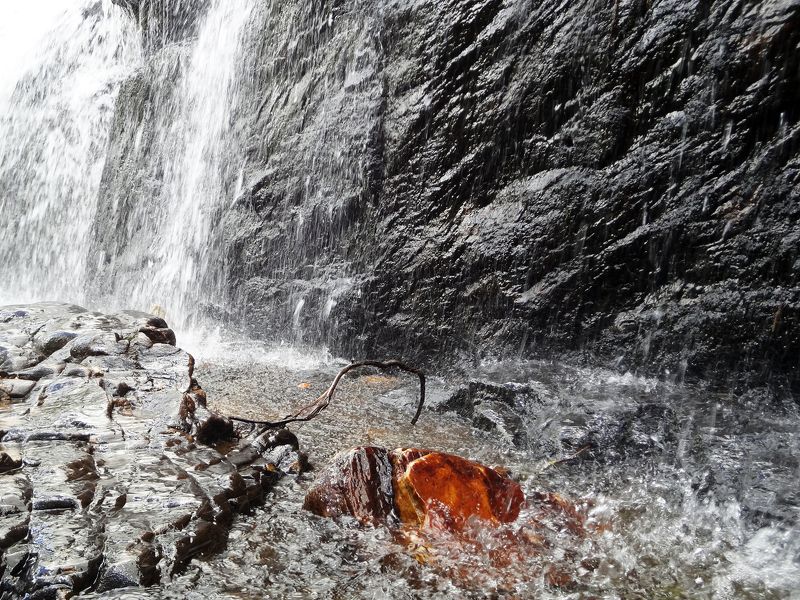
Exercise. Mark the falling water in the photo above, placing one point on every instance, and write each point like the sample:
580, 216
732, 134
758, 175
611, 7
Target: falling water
59, 210
165, 254
60, 81
132, 143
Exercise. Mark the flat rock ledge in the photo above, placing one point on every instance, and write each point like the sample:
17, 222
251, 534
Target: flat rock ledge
112, 471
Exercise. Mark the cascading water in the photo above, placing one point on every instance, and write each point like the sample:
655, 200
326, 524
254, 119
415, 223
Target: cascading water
163, 250
62, 66
205, 123
57, 125
142, 206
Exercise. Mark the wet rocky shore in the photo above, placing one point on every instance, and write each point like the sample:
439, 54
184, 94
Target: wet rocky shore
113, 473
118, 479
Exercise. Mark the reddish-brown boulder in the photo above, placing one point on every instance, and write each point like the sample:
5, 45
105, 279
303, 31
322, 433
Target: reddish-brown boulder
415, 487
358, 483
449, 505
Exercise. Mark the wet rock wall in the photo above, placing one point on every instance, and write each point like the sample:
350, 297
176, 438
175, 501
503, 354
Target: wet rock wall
518, 178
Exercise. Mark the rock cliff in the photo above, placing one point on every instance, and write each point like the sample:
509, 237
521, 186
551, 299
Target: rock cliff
514, 178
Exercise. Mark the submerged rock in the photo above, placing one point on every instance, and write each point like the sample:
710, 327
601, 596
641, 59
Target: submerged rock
496, 408
113, 473
413, 487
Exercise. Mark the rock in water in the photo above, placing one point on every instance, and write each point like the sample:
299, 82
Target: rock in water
496, 408
106, 476
443, 505
414, 487
439, 490
358, 483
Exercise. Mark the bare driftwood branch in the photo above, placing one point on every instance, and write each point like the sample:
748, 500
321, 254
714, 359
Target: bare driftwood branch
309, 411
566, 459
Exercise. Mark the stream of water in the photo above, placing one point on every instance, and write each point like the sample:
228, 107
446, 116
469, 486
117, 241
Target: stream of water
710, 510
59, 76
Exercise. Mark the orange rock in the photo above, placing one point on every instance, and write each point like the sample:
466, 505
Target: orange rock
443, 491
453, 507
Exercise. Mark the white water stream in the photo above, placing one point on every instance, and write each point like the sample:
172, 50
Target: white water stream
195, 157
61, 64
61, 69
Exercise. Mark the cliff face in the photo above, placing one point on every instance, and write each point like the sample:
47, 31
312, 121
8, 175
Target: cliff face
520, 177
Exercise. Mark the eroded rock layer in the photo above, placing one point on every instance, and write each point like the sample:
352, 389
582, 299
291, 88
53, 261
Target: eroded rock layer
494, 177
106, 478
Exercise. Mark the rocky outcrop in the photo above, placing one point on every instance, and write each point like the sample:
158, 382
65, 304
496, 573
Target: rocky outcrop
499, 409
513, 178
112, 471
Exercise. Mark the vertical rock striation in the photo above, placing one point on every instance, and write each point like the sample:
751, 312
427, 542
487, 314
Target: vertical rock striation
513, 178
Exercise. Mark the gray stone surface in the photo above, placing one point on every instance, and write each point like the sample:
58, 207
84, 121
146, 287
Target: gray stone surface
104, 481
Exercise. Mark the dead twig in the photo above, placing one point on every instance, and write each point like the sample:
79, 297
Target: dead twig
309, 411
566, 459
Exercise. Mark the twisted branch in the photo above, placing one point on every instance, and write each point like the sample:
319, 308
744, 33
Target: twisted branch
309, 411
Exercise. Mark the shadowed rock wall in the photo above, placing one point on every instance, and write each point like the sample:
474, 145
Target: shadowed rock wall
471, 177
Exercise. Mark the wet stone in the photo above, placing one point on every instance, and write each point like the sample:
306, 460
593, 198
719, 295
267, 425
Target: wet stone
500, 419
358, 483
103, 344
439, 488
106, 480
498, 409
442, 506
159, 335
16, 388
52, 341
40, 371
414, 487
10, 459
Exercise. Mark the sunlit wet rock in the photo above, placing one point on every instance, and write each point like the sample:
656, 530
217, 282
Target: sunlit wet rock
113, 472
442, 505
445, 491
414, 487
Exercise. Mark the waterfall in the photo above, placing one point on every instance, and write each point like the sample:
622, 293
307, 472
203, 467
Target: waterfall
134, 137
156, 239
60, 67
70, 233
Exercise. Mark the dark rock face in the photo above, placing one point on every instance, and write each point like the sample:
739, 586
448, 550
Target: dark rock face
161, 23
520, 177
497, 408
106, 476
